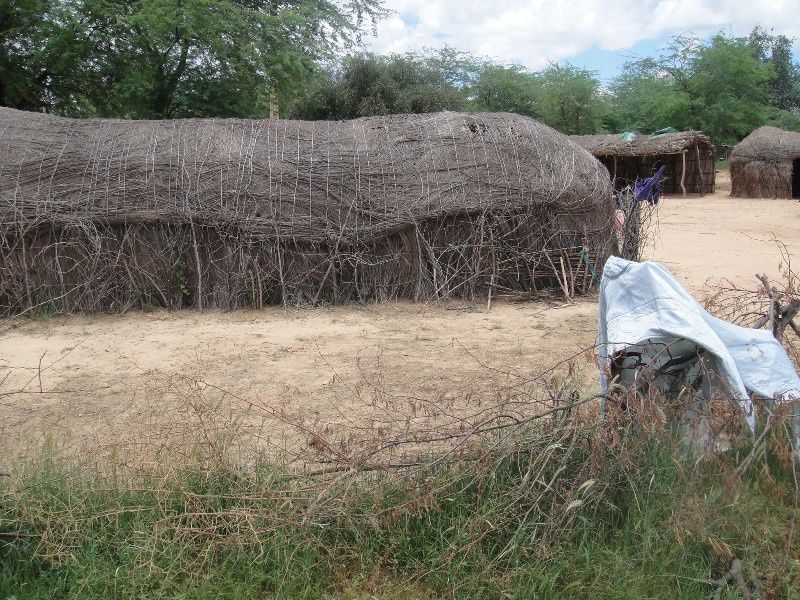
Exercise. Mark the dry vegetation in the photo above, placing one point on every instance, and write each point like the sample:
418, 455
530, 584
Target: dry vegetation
395, 450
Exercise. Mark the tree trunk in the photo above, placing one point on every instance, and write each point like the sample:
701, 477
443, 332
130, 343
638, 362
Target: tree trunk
274, 106
162, 99
3, 73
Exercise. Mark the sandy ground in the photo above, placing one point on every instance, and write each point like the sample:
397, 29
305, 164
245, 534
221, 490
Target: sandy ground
704, 240
96, 381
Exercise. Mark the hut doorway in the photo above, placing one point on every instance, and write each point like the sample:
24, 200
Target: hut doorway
796, 178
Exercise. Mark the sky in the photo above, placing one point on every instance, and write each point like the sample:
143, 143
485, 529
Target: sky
595, 34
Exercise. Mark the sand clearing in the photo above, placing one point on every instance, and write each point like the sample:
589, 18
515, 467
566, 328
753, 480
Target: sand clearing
107, 379
704, 240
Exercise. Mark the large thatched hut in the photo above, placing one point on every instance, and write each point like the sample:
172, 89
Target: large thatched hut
766, 164
110, 214
687, 157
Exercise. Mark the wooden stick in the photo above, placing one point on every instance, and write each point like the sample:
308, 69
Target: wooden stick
566, 282
702, 175
558, 277
26, 279
491, 287
197, 268
614, 178
683, 173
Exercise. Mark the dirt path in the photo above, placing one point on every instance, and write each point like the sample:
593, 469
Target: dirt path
106, 379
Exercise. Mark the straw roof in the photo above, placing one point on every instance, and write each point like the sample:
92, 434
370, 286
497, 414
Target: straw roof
768, 144
643, 145
311, 180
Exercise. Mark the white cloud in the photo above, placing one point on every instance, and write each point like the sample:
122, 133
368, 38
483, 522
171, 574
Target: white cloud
533, 32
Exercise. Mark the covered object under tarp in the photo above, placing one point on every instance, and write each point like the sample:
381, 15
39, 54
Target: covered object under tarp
647, 319
687, 158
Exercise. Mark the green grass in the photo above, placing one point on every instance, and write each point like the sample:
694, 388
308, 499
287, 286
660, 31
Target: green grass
653, 525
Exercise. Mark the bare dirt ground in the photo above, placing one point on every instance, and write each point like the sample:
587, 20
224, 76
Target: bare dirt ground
704, 240
141, 379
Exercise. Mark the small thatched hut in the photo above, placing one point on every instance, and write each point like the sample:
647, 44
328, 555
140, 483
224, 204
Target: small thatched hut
688, 158
766, 164
111, 214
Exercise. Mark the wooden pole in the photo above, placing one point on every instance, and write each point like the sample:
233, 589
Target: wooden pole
700, 169
197, 267
614, 178
683, 173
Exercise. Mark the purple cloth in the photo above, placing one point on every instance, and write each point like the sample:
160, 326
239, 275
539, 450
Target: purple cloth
649, 189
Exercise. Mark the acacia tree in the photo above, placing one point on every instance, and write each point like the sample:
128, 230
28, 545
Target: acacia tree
571, 100
169, 58
23, 27
776, 50
719, 86
507, 88
646, 99
368, 84
729, 89
292, 36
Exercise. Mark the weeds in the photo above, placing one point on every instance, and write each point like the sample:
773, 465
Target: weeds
569, 506
522, 492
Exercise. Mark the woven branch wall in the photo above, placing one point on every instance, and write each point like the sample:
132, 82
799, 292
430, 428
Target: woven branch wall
110, 214
699, 176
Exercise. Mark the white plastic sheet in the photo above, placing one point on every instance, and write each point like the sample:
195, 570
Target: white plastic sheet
642, 303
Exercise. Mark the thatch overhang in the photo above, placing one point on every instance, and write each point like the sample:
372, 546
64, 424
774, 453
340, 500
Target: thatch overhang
643, 145
688, 158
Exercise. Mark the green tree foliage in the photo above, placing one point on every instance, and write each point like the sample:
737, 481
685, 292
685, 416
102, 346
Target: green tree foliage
776, 51
24, 70
169, 58
497, 88
729, 89
562, 96
646, 99
368, 84
572, 101
720, 87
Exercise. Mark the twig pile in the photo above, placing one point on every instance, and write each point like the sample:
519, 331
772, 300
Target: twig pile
772, 304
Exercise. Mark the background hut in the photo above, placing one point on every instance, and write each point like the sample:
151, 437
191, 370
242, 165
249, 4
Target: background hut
766, 164
110, 214
688, 158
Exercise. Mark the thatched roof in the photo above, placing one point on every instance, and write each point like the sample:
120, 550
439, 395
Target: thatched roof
312, 180
643, 145
768, 144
